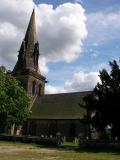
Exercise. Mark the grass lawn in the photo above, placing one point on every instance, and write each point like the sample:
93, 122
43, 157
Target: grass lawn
68, 151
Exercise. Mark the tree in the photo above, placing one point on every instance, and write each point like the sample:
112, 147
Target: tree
14, 102
103, 104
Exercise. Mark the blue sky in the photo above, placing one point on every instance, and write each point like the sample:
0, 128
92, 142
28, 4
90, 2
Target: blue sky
89, 5
72, 52
95, 56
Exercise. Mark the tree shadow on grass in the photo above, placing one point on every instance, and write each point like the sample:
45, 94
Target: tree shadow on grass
76, 148
64, 146
114, 151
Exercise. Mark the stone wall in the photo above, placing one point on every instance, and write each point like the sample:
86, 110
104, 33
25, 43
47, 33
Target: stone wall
39, 83
67, 128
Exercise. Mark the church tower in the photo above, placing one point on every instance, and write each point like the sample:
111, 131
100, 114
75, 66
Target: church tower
26, 69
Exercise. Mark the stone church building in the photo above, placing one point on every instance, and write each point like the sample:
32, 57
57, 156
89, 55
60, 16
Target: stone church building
54, 113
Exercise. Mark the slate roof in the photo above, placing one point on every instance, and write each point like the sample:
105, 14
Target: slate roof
59, 106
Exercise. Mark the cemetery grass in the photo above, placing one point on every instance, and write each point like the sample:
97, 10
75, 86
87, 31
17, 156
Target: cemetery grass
67, 151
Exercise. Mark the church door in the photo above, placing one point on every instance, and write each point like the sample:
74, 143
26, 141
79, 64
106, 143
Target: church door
72, 130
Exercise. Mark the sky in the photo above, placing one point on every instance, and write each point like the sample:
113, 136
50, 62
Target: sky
77, 39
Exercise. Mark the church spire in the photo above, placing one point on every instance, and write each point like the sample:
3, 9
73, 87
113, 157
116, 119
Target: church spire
26, 69
29, 50
30, 36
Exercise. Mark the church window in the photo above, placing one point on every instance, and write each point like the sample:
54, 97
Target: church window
33, 88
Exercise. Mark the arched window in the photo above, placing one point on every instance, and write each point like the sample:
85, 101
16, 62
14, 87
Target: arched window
33, 88
39, 91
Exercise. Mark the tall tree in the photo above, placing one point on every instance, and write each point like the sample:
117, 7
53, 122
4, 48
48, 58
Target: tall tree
14, 102
103, 104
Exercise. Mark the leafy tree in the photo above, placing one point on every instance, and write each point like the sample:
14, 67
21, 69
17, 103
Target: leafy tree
14, 102
103, 104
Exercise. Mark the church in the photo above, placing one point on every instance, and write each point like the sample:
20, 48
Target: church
52, 113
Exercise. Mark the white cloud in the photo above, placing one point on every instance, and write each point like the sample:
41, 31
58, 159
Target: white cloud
81, 81
103, 27
61, 31
43, 66
50, 89
13, 21
16, 12
10, 36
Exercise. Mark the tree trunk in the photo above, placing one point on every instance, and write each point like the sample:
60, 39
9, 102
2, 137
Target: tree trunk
12, 131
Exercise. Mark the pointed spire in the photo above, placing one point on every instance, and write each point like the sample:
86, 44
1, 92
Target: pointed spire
30, 36
29, 50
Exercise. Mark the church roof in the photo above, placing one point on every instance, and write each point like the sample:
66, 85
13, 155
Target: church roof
59, 106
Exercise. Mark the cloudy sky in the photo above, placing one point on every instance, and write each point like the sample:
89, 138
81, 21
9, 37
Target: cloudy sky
77, 38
